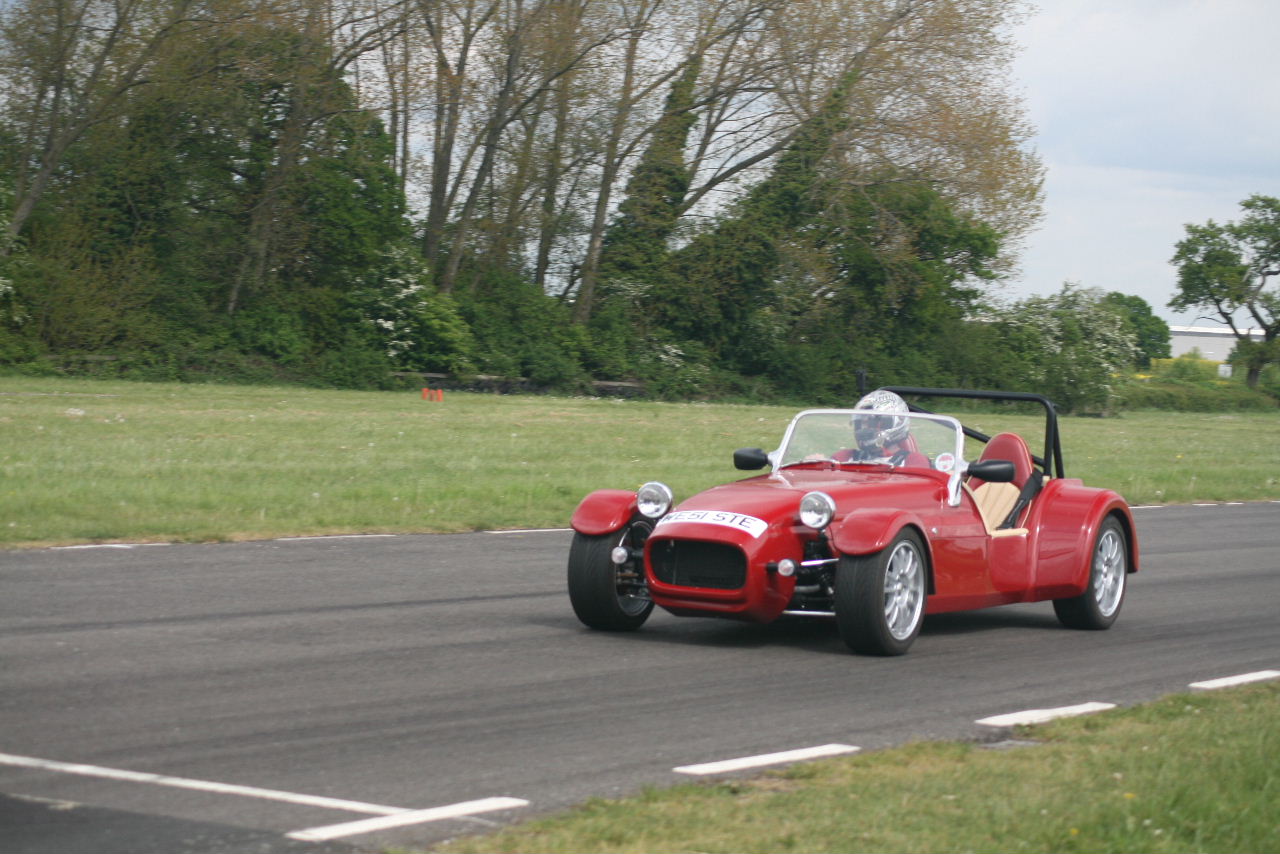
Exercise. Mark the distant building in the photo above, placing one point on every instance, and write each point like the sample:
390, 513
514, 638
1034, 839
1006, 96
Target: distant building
1215, 343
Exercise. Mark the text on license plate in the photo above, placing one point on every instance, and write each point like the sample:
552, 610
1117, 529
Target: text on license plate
753, 526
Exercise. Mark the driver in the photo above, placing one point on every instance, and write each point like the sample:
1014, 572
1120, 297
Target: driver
883, 434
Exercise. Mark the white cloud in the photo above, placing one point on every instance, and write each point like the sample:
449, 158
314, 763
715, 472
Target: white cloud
1151, 114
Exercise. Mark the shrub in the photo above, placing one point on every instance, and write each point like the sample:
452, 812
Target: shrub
1183, 396
355, 365
1189, 367
520, 331
1072, 345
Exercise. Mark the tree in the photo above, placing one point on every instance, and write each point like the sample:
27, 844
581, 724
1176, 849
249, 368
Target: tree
716, 28
239, 199
635, 245
1227, 270
69, 65
517, 80
634, 253
1151, 334
674, 172
723, 275
932, 101
15, 344
1070, 345
881, 278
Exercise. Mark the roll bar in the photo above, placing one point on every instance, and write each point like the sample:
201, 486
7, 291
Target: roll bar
1051, 462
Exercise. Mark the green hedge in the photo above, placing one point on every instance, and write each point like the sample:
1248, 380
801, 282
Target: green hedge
1183, 396
1185, 367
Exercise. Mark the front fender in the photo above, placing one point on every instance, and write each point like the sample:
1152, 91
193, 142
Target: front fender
604, 511
869, 530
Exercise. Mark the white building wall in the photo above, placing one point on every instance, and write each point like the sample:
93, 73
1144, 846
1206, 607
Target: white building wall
1214, 343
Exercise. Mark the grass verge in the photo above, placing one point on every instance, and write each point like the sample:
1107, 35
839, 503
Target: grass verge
103, 461
1190, 772
99, 461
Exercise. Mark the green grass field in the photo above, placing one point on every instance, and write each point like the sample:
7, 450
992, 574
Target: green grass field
92, 461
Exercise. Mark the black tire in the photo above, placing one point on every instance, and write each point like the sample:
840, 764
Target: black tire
600, 598
880, 598
1099, 605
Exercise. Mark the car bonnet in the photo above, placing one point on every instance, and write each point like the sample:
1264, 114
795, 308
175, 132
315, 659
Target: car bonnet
775, 498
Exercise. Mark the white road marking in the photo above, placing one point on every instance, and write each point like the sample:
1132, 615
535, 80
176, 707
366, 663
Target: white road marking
335, 537
767, 759
1039, 716
531, 531
1242, 679
106, 546
1199, 504
369, 825
198, 785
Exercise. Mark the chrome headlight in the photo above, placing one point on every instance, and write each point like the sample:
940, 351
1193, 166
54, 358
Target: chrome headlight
816, 510
654, 499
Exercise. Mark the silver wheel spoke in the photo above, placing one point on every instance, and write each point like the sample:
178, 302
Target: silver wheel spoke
903, 591
1109, 571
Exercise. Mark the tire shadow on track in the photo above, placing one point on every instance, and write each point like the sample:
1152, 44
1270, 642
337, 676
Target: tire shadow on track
992, 620
806, 634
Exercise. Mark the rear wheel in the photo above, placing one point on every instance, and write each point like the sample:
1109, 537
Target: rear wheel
879, 598
1099, 604
607, 595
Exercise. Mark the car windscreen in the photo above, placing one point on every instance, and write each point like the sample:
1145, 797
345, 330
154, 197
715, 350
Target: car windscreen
872, 438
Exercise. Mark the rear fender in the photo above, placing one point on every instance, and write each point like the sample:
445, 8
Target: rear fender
604, 511
1066, 537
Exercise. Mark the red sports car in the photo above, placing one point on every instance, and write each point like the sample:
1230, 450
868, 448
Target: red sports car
871, 516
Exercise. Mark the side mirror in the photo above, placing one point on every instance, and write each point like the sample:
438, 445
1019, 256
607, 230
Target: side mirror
751, 459
993, 471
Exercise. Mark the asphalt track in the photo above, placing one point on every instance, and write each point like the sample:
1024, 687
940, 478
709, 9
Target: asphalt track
210, 698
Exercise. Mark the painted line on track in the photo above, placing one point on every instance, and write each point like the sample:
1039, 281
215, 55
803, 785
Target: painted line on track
767, 759
531, 531
1198, 504
198, 785
1039, 716
1230, 681
335, 537
370, 825
105, 546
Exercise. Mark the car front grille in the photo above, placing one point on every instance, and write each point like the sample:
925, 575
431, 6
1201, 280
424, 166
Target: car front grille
692, 563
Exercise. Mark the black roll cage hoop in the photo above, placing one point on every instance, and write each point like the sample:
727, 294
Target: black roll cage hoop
1052, 458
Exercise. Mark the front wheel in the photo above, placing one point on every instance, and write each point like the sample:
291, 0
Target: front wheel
1099, 604
880, 598
605, 595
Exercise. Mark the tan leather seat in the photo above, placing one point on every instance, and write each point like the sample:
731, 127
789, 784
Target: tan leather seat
996, 500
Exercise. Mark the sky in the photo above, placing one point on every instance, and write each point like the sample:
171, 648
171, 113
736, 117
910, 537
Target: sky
1150, 114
